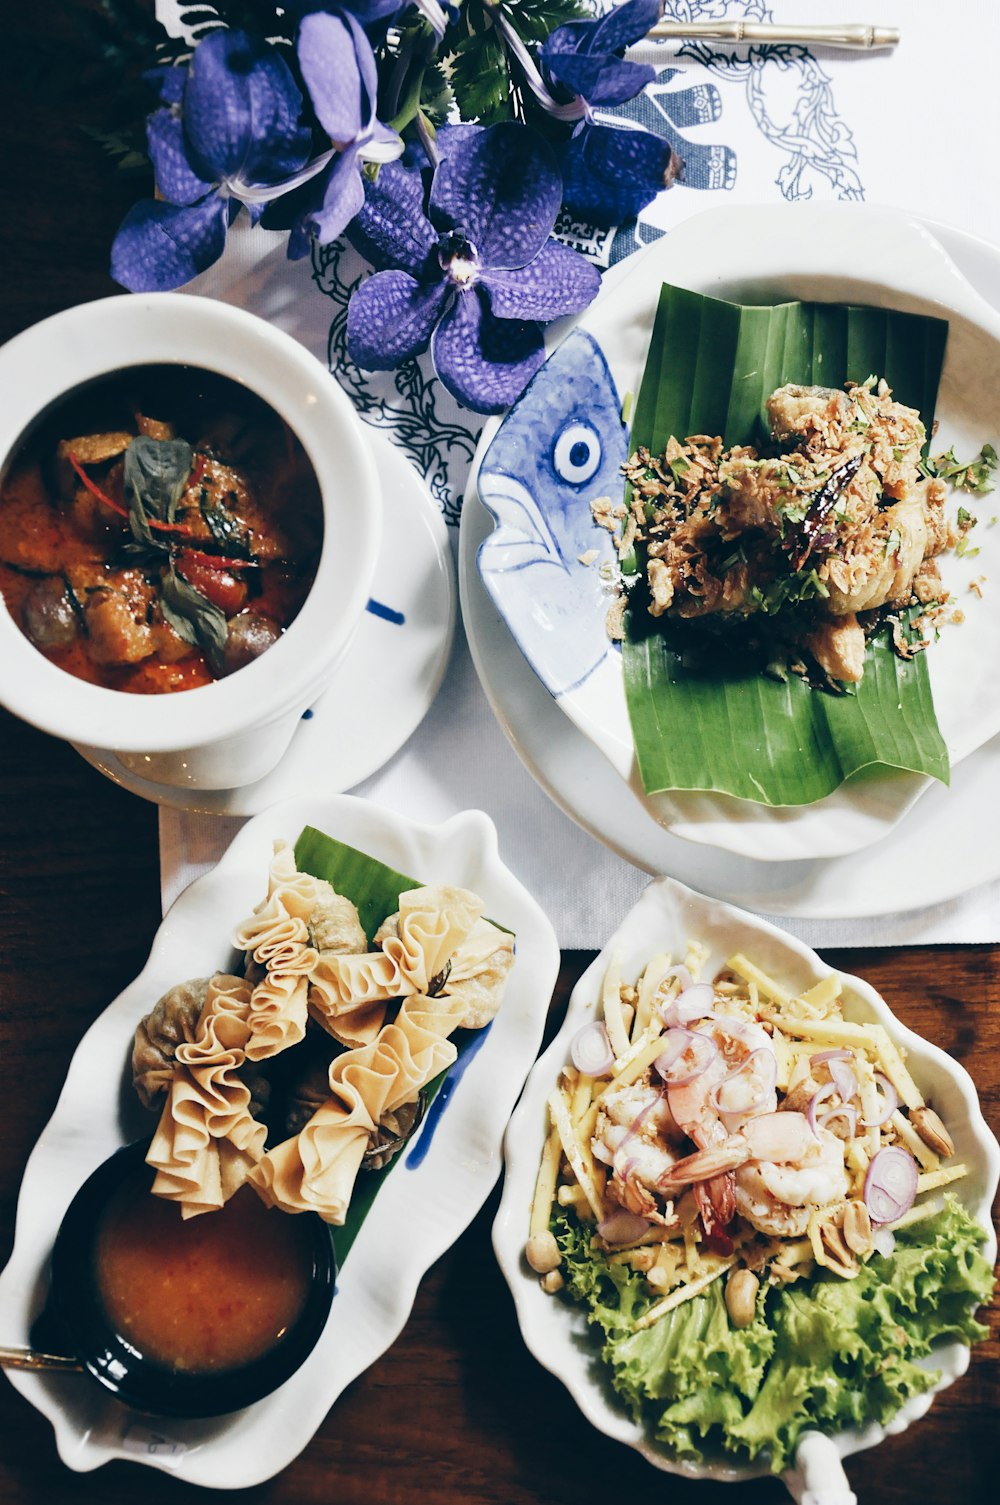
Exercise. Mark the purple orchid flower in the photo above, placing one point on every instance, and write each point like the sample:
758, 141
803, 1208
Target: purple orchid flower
230, 132
477, 275
610, 173
371, 12
338, 67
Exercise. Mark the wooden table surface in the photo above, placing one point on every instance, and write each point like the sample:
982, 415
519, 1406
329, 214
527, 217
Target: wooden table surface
457, 1412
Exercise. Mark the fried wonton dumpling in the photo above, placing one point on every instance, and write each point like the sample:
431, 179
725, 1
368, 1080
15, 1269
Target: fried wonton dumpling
317, 1169
300, 917
172, 1021
207, 1139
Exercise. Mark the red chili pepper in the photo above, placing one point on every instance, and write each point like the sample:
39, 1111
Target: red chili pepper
108, 501
197, 470
220, 561
94, 489
208, 575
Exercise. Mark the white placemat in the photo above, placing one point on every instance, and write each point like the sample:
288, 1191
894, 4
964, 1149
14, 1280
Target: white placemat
915, 128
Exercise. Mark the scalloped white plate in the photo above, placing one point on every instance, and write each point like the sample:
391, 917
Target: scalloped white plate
667, 915
764, 253
419, 1212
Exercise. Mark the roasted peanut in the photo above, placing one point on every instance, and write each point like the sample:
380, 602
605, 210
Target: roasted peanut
857, 1228
741, 1297
932, 1131
542, 1252
552, 1282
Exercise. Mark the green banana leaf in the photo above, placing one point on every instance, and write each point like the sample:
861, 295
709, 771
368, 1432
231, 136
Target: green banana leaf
710, 368
374, 890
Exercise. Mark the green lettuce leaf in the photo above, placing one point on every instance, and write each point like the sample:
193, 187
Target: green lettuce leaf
823, 1353
710, 368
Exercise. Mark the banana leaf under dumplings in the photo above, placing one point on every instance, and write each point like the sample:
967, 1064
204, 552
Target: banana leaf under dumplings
719, 725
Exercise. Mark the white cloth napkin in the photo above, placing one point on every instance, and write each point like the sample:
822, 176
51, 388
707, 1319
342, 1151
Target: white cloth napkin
909, 128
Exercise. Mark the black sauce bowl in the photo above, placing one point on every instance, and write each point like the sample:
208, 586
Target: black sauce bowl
74, 1320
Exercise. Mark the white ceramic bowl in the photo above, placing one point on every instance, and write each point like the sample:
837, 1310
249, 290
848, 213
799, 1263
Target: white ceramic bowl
664, 919
428, 1200
232, 732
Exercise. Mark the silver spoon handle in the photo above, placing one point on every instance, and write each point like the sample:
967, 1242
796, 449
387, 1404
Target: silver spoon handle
30, 1358
864, 37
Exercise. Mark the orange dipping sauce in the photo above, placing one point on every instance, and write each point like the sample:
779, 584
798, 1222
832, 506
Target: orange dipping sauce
206, 1294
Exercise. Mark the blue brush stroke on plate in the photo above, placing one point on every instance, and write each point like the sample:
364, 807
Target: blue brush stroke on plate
378, 609
561, 446
418, 1151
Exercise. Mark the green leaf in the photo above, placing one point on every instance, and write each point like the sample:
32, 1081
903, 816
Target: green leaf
710, 368
193, 617
156, 473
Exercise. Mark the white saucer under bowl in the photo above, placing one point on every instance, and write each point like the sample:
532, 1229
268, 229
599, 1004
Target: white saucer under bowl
387, 680
948, 844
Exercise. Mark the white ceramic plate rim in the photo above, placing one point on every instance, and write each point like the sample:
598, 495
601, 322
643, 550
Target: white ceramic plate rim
665, 917
419, 1212
907, 268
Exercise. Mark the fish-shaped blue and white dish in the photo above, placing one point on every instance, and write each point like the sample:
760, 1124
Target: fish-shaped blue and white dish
546, 565
549, 567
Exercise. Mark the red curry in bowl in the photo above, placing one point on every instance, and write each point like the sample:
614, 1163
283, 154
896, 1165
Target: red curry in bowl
159, 529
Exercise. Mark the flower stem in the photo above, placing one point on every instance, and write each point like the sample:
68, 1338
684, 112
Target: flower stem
572, 111
427, 138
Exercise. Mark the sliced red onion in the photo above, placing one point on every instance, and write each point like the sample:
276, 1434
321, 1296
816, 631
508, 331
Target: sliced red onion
590, 1049
748, 1089
622, 1228
740, 1029
682, 975
678, 1043
840, 1054
890, 1102
891, 1184
847, 1112
694, 1002
883, 1241
817, 1099
845, 1080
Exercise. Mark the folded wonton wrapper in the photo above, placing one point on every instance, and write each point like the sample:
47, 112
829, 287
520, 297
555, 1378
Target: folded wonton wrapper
301, 919
207, 1140
437, 943
315, 1171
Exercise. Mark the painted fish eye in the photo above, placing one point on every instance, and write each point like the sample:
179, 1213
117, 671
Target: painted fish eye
577, 453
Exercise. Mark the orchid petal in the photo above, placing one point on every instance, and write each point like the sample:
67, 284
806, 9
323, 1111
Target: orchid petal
343, 196
602, 79
176, 179
483, 361
624, 24
391, 228
571, 37
160, 246
390, 318
168, 79
559, 281
242, 111
611, 173
501, 189
339, 71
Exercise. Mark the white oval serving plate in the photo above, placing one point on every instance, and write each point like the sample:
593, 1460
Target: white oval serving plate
421, 1209
665, 918
761, 254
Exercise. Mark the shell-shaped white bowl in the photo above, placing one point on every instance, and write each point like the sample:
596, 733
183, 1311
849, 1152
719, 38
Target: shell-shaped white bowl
666, 917
421, 1209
